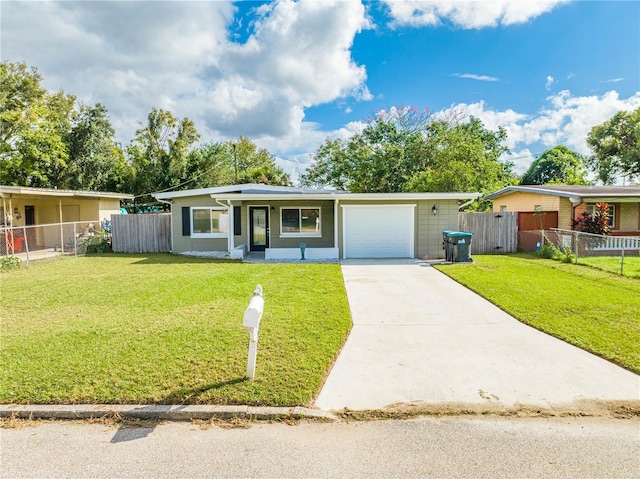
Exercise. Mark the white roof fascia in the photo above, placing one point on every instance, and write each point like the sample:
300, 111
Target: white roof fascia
167, 195
349, 196
542, 191
587, 198
27, 191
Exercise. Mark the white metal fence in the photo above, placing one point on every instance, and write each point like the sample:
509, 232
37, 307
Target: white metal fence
40, 241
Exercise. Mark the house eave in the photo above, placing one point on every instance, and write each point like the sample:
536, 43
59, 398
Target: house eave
348, 196
7, 191
576, 195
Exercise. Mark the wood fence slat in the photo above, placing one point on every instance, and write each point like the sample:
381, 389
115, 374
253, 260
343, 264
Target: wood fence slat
141, 233
493, 233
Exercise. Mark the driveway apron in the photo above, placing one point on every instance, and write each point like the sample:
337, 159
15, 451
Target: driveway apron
420, 336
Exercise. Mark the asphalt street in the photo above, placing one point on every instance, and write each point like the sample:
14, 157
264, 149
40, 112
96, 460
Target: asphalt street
451, 447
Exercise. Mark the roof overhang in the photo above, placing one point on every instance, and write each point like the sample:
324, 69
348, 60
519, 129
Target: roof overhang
574, 196
610, 199
24, 191
346, 196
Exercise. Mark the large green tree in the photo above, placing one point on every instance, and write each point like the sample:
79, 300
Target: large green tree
616, 147
559, 165
33, 123
234, 162
413, 152
159, 153
95, 161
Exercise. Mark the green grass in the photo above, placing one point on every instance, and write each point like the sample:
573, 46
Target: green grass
167, 329
592, 309
613, 263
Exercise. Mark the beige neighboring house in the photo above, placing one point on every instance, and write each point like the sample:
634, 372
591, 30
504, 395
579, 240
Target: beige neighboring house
42, 210
549, 206
241, 219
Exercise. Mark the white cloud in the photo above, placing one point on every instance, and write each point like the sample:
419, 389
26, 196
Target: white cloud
299, 56
549, 83
613, 80
521, 159
565, 120
475, 77
468, 13
133, 56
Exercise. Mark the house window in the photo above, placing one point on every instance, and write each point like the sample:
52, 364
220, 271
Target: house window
300, 222
591, 209
209, 223
503, 208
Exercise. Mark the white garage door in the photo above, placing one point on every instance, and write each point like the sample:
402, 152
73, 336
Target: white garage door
381, 231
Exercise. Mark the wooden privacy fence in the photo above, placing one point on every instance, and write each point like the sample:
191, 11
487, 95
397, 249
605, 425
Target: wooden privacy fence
142, 233
493, 233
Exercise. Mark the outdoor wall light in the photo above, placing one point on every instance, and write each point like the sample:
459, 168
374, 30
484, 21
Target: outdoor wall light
434, 210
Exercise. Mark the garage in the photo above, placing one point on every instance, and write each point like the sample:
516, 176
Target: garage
378, 231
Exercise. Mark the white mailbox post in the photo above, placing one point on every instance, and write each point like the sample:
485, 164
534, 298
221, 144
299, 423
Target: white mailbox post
251, 321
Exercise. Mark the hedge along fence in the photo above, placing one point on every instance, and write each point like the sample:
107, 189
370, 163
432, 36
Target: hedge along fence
141, 233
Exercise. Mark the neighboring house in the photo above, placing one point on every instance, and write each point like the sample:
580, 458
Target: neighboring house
39, 209
240, 219
548, 206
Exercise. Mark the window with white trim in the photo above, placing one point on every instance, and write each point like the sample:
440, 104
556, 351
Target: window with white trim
209, 223
300, 222
591, 209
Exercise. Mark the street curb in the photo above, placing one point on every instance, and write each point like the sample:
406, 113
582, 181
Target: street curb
161, 412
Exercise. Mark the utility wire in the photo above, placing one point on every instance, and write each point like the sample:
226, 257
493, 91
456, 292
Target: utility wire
181, 184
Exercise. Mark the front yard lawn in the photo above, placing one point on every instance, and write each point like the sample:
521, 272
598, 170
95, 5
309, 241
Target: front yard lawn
614, 263
592, 309
167, 329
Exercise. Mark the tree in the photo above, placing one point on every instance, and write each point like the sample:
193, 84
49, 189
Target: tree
464, 157
412, 152
159, 153
559, 165
33, 123
616, 147
234, 162
95, 161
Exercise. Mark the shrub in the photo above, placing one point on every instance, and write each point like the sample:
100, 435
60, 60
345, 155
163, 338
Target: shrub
566, 255
549, 251
100, 243
597, 224
10, 263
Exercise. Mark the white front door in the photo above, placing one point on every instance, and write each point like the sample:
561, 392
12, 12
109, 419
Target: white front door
380, 231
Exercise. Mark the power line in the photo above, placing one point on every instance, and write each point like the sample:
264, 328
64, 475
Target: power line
181, 184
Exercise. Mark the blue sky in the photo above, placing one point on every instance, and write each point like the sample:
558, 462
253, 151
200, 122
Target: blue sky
290, 74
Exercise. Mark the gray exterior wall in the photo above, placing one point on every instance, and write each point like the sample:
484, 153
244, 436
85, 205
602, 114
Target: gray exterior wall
429, 228
275, 241
187, 243
427, 232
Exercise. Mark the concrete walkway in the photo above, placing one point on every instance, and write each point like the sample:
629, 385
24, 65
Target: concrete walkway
420, 336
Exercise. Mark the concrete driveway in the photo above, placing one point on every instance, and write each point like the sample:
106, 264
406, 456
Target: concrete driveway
419, 336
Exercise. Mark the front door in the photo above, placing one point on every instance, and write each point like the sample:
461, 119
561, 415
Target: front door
29, 215
258, 228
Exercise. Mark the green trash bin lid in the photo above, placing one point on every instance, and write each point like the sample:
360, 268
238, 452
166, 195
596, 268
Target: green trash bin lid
459, 234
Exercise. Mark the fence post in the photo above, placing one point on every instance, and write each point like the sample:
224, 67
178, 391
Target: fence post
75, 240
577, 245
622, 263
26, 243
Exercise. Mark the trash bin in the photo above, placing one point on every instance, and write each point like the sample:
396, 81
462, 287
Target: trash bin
457, 246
